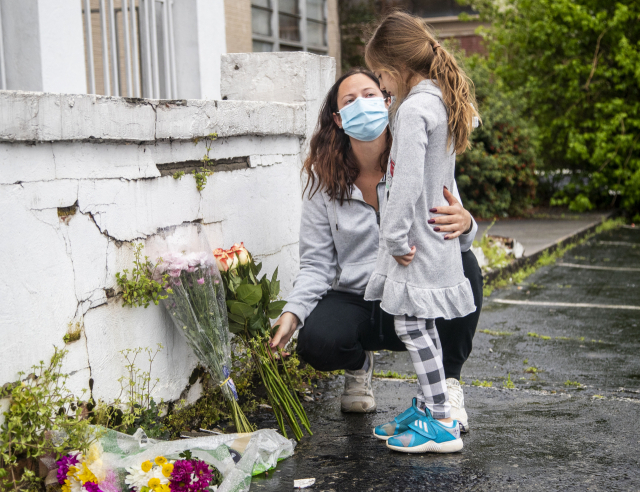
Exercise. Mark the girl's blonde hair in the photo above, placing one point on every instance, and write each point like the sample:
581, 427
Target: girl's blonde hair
404, 47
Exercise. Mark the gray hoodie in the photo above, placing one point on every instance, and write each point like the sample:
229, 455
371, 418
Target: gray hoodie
433, 285
339, 247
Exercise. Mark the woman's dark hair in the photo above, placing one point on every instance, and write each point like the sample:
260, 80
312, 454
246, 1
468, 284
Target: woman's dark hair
331, 166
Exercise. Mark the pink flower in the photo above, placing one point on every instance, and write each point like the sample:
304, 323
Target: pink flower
201, 281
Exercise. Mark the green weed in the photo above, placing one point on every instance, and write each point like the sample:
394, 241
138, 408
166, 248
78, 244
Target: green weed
74, 331
508, 383
483, 384
393, 375
496, 333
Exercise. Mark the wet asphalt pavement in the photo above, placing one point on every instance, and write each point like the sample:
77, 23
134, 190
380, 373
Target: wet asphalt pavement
571, 423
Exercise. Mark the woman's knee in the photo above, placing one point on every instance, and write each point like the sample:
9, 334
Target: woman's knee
326, 350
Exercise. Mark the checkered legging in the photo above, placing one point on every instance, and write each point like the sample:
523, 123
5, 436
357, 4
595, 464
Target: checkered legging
421, 339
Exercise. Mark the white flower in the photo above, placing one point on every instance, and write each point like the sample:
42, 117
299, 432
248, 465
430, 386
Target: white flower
156, 472
75, 484
137, 478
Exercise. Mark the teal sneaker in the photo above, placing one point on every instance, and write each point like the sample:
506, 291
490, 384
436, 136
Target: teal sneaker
427, 435
400, 423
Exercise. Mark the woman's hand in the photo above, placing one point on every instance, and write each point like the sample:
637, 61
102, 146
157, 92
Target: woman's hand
455, 218
288, 323
404, 260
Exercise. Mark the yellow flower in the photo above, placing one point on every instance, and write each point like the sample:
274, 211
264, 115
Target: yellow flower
164, 488
154, 482
146, 466
67, 486
72, 471
86, 475
160, 460
167, 469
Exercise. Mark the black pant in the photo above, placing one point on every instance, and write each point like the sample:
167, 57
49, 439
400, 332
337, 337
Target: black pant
342, 326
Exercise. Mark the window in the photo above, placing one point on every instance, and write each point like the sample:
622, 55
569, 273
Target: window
289, 25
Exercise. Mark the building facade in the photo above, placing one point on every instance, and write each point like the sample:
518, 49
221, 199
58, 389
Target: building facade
157, 49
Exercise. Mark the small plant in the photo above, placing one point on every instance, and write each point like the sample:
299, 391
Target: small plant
178, 175
525, 362
39, 404
599, 397
141, 289
393, 375
483, 384
203, 174
532, 370
134, 407
508, 384
496, 333
74, 332
573, 383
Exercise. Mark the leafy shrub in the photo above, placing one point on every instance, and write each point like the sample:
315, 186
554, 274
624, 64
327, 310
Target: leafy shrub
576, 67
497, 175
43, 418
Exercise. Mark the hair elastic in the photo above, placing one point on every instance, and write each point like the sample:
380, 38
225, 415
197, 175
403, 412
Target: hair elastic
437, 45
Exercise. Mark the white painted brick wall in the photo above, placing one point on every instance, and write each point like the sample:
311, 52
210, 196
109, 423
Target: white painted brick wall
57, 150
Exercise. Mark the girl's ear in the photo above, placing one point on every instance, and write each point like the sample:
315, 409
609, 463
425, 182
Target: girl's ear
337, 119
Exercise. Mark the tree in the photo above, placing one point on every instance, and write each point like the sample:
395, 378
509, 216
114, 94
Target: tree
497, 175
575, 65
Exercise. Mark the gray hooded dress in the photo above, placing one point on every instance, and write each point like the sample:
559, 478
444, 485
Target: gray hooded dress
433, 285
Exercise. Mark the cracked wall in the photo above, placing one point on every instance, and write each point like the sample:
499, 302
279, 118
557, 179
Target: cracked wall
58, 269
96, 157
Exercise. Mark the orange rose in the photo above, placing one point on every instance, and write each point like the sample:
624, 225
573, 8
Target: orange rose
241, 252
222, 259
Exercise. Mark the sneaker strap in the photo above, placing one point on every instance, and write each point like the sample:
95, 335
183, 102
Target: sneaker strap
423, 427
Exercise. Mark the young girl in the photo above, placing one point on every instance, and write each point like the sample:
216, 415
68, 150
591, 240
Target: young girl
418, 274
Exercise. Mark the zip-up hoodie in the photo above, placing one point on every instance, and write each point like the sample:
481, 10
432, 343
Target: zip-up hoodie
422, 161
339, 247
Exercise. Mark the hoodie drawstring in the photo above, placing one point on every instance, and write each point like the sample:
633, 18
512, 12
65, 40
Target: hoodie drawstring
335, 213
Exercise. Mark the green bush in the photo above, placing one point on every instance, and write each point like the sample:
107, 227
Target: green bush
575, 65
497, 175
43, 418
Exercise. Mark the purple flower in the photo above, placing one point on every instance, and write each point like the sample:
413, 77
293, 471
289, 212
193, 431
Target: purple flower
181, 476
63, 467
202, 473
201, 281
92, 487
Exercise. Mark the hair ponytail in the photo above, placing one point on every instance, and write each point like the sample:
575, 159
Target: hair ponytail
404, 45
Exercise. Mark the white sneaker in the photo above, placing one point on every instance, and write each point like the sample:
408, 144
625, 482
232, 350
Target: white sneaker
456, 398
358, 394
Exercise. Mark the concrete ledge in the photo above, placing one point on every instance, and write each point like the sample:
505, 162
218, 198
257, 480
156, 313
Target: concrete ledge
526, 261
198, 118
46, 117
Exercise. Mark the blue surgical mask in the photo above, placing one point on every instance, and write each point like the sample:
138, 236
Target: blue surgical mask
365, 119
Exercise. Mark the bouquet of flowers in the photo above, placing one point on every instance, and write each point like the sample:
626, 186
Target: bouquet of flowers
251, 304
85, 473
185, 475
195, 302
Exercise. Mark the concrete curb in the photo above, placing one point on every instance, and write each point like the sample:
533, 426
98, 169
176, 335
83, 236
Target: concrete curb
526, 261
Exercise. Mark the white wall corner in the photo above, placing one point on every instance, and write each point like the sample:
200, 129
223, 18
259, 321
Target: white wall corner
62, 47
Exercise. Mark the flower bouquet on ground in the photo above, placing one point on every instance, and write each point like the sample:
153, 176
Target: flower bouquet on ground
251, 304
196, 303
188, 474
77, 472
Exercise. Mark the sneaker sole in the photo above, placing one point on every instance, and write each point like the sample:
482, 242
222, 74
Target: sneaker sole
431, 447
382, 438
464, 428
353, 408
